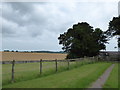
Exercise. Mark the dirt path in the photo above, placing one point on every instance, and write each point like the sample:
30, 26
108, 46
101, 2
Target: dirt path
101, 80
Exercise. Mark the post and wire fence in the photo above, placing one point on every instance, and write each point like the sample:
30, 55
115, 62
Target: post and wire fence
44, 65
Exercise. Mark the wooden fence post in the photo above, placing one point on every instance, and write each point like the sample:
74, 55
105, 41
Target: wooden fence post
94, 59
41, 66
13, 64
56, 65
68, 64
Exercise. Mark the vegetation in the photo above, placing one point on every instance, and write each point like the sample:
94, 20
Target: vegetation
61, 52
80, 77
28, 71
25, 71
112, 81
82, 40
114, 28
47, 52
6, 50
20, 56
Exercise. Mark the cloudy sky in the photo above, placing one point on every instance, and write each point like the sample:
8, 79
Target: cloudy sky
36, 26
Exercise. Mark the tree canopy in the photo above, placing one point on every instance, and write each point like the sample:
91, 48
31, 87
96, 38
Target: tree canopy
114, 28
82, 40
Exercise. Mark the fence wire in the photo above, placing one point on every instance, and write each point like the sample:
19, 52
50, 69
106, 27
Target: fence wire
26, 71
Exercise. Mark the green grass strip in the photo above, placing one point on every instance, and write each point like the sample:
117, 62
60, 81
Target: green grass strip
28, 71
80, 77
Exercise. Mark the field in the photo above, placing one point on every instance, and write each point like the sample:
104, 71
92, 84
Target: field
28, 71
80, 77
80, 74
19, 56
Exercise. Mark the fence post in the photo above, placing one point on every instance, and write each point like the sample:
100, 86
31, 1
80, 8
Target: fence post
68, 64
13, 64
41, 66
56, 65
94, 59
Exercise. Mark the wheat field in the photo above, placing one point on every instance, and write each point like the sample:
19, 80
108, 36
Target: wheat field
21, 56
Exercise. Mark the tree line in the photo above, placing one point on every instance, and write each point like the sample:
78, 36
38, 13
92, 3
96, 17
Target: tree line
61, 52
83, 40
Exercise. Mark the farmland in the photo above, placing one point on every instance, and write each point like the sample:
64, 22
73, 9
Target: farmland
81, 73
19, 56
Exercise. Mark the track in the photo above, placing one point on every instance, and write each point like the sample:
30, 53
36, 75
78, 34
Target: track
102, 79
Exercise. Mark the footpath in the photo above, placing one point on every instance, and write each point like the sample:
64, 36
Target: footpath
102, 79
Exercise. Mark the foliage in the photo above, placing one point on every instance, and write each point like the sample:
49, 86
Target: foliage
114, 28
82, 40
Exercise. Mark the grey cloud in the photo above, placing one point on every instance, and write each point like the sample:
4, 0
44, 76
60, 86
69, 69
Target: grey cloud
9, 28
16, 12
11, 13
43, 22
36, 18
23, 8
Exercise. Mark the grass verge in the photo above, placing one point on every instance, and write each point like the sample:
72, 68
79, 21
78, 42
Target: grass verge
27, 71
112, 81
80, 77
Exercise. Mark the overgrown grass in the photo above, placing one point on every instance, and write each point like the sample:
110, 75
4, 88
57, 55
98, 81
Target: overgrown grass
24, 71
112, 81
80, 77
29, 71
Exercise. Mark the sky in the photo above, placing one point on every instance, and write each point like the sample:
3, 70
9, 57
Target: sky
37, 25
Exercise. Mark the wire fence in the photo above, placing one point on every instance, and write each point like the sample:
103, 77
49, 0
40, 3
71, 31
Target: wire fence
13, 71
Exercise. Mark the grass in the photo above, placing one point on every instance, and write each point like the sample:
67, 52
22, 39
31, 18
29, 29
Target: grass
23, 71
29, 71
112, 81
80, 77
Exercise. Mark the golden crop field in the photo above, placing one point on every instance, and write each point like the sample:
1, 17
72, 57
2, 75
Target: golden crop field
21, 56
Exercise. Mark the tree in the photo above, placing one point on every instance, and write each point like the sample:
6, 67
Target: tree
82, 40
114, 29
6, 50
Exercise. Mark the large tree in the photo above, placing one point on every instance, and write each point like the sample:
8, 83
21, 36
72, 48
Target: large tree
82, 40
114, 29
